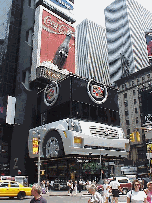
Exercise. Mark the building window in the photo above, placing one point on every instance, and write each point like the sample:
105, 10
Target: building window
148, 76
126, 113
126, 103
128, 132
134, 92
123, 86
136, 120
127, 122
135, 101
149, 84
136, 110
138, 81
125, 95
133, 82
29, 37
31, 3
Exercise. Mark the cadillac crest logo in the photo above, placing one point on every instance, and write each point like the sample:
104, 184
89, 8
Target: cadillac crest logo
97, 93
51, 93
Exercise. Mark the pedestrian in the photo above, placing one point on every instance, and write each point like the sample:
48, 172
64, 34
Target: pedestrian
36, 192
47, 186
148, 192
136, 195
75, 187
69, 186
96, 196
80, 185
106, 188
115, 186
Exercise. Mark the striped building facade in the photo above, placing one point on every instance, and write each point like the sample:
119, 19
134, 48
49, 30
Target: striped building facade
91, 52
126, 23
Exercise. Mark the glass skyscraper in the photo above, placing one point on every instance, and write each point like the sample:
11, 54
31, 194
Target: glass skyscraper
91, 52
126, 23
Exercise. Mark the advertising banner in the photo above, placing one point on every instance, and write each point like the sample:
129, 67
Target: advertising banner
149, 43
35, 146
53, 42
3, 109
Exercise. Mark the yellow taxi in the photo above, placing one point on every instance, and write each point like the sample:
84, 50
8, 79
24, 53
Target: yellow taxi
13, 189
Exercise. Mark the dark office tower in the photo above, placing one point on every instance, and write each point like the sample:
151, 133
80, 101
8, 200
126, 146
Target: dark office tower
62, 52
11, 17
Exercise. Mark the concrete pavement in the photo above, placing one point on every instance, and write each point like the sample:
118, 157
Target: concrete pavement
84, 193
65, 193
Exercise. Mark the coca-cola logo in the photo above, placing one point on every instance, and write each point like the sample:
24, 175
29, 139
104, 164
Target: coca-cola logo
56, 27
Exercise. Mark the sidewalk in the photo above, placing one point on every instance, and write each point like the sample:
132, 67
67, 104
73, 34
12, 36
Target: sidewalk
65, 193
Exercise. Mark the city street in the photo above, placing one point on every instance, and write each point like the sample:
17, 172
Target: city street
59, 198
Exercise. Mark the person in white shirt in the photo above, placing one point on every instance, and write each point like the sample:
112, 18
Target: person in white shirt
75, 187
96, 196
136, 195
106, 191
115, 186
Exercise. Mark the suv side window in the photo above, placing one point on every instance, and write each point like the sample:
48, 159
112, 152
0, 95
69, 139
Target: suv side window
3, 184
123, 181
12, 184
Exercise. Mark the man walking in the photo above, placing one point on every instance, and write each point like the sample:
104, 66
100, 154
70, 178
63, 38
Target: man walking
36, 192
115, 186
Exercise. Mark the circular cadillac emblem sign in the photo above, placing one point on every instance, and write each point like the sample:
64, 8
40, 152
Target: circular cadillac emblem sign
51, 93
97, 93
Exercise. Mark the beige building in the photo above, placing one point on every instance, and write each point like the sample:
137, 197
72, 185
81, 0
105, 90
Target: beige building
133, 109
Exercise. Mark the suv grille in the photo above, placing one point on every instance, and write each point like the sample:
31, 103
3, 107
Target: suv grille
104, 132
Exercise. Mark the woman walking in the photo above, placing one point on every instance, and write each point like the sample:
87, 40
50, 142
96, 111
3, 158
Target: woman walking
96, 196
136, 195
148, 192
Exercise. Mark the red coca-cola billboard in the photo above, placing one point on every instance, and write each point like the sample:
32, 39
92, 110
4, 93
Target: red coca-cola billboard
53, 41
149, 44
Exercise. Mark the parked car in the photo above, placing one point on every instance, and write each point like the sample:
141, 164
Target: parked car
13, 189
125, 184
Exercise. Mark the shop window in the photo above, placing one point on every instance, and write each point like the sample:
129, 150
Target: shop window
148, 76
143, 79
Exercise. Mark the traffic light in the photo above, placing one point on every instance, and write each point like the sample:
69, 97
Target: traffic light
42, 172
132, 137
138, 136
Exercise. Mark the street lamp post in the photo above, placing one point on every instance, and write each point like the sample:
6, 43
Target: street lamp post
39, 161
